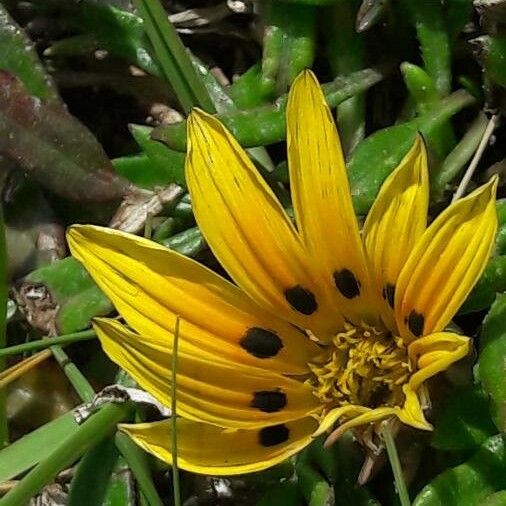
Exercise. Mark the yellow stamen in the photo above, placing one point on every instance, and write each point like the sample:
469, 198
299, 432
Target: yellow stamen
361, 366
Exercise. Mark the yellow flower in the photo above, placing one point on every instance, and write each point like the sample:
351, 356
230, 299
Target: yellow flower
325, 328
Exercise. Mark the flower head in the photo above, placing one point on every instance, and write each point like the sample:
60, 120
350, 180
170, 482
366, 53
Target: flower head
325, 328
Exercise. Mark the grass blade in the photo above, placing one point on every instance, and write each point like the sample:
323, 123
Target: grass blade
173, 57
44, 343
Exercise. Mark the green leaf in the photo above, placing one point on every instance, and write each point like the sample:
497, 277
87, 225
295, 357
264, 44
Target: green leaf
168, 164
470, 483
345, 48
339, 466
95, 468
348, 457
458, 13
249, 90
496, 499
18, 56
492, 360
492, 53
266, 125
428, 19
289, 43
119, 32
28, 451
77, 311
64, 278
465, 422
286, 494
72, 291
189, 243
139, 170
315, 488
387, 147
500, 238
69, 449
120, 490
492, 282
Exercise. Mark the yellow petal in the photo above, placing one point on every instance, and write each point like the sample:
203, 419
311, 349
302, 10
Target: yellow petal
369, 416
412, 412
396, 221
445, 264
17, 370
329, 420
435, 353
321, 198
207, 449
248, 230
215, 391
150, 285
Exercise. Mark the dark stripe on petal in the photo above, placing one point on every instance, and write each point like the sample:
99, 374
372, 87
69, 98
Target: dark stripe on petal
261, 343
389, 294
275, 435
415, 323
347, 283
301, 299
269, 401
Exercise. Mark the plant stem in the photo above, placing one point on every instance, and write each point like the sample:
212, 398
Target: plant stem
393, 457
42, 344
75, 376
175, 470
492, 123
70, 449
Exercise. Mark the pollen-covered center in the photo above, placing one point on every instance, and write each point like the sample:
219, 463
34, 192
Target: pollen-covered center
361, 366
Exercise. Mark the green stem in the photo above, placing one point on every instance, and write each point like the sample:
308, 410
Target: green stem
393, 457
136, 460
175, 470
42, 344
74, 375
70, 449
4, 429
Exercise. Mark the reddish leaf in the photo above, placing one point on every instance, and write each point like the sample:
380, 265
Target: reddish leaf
54, 147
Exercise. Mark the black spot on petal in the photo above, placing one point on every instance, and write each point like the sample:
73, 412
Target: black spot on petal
389, 294
415, 323
275, 435
269, 401
301, 299
347, 283
261, 343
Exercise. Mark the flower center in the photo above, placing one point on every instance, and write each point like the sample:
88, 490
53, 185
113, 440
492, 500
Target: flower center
361, 366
